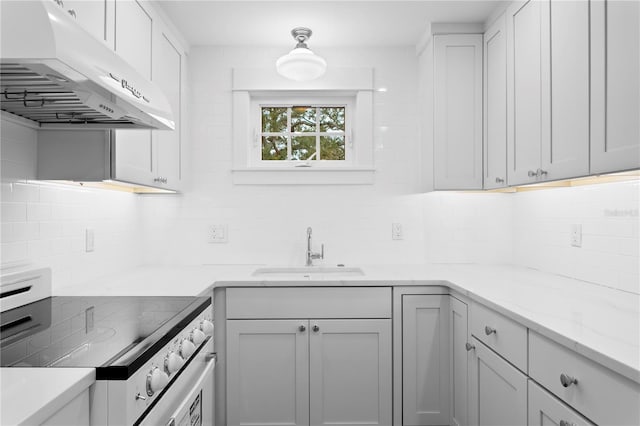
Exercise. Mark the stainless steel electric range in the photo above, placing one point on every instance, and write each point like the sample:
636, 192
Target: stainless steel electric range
153, 356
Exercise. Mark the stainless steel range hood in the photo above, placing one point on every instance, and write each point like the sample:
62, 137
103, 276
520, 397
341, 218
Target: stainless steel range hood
56, 74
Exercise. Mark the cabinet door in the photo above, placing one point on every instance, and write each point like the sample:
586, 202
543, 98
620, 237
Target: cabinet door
615, 85
92, 16
267, 372
425, 360
495, 106
167, 144
458, 111
565, 89
524, 91
350, 372
132, 150
546, 410
498, 391
459, 382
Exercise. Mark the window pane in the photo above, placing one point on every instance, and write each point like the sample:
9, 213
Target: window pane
303, 119
274, 119
332, 147
332, 119
274, 148
302, 147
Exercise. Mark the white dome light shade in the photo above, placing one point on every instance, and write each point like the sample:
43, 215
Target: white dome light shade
301, 64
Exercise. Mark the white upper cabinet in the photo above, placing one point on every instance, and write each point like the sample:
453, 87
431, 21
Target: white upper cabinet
565, 89
151, 158
167, 145
615, 85
548, 90
95, 16
458, 111
495, 106
524, 100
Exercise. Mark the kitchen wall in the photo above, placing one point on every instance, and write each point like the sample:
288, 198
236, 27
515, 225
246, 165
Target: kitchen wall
608, 213
267, 223
45, 225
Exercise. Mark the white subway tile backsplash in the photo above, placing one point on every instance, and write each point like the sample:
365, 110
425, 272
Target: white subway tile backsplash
14, 212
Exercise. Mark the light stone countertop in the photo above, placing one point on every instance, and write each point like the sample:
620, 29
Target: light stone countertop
598, 322
29, 396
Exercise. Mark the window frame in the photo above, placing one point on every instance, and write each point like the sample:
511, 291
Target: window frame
255, 150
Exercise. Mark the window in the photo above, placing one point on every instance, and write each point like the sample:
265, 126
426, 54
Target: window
303, 133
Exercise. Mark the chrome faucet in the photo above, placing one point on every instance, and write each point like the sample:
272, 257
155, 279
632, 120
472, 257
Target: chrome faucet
310, 254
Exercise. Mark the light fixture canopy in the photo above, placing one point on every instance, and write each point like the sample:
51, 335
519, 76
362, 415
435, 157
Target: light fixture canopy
301, 64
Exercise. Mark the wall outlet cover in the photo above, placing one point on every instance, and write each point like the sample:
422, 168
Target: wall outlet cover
89, 240
576, 235
218, 234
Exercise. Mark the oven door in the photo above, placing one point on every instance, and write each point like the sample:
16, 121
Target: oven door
189, 400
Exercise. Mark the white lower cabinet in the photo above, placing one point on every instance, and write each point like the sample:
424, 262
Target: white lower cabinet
498, 390
459, 382
425, 360
76, 412
267, 372
545, 409
309, 372
350, 372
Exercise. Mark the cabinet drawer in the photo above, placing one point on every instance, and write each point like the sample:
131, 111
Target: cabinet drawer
309, 302
600, 394
544, 406
501, 334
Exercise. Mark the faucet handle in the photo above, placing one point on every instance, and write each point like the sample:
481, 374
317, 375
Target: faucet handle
322, 251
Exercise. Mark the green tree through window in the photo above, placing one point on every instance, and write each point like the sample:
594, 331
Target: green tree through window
303, 133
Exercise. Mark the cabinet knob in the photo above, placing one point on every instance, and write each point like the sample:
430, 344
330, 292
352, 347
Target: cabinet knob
468, 346
499, 180
316, 328
542, 172
489, 330
566, 423
531, 173
72, 13
302, 328
567, 380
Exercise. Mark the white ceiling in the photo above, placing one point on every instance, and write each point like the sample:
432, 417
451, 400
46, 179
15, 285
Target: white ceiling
334, 23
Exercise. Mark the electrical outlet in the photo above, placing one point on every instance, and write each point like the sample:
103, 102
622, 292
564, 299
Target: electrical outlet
89, 240
218, 234
396, 231
576, 235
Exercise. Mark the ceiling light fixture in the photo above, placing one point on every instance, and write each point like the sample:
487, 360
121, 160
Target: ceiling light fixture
301, 64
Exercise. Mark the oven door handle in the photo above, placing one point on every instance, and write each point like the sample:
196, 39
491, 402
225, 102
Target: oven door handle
211, 359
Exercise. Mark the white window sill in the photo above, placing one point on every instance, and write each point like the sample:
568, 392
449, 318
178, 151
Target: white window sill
303, 176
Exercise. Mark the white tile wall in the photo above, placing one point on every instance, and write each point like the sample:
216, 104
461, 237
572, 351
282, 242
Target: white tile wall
267, 224
45, 225
608, 213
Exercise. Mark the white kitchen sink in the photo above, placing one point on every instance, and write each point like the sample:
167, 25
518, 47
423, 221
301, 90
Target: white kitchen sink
308, 271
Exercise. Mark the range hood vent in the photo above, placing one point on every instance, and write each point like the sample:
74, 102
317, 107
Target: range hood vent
56, 74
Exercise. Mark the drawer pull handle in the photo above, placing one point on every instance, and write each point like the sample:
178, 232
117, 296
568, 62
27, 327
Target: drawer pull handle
489, 330
566, 423
468, 346
567, 380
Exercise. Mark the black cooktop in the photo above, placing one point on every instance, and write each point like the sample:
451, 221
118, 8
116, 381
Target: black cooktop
116, 335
